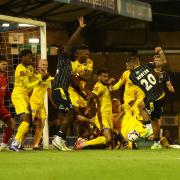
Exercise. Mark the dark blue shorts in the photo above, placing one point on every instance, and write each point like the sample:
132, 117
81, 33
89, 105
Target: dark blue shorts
61, 100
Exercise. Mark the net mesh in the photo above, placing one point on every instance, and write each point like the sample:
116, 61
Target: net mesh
12, 42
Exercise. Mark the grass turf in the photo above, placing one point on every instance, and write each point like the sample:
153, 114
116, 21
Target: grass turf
91, 165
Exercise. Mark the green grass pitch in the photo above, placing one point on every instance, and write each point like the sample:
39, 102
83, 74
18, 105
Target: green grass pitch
142, 164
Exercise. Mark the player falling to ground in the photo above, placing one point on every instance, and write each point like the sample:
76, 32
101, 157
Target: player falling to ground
81, 69
145, 77
23, 85
5, 115
124, 123
129, 92
103, 121
60, 85
37, 101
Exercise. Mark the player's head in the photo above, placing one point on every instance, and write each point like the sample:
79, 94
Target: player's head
132, 62
43, 65
81, 53
85, 131
156, 57
26, 56
116, 106
3, 64
103, 76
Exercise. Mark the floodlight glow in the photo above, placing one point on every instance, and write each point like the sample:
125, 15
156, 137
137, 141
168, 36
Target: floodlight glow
25, 25
34, 40
5, 25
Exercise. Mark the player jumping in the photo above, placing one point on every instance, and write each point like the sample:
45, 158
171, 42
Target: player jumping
145, 77
60, 95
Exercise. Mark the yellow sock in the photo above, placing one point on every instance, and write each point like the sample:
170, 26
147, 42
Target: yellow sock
22, 130
98, 140
38, 136
21, 139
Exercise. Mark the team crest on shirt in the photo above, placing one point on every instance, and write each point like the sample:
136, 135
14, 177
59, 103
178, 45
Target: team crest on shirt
96, 88
137, 72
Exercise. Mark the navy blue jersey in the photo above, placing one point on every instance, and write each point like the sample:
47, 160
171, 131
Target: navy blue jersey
63, 74
146, 78
163, 78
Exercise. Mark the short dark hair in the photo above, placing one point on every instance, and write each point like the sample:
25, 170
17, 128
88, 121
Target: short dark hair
2, 58
132, 59
25, 52
100, 71
74, 49
82, 46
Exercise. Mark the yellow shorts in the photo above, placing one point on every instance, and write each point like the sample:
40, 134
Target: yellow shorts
38, 111
21, 104
142, 130
76, 99
106, 121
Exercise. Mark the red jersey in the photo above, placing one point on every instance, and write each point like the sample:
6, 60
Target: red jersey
3, 88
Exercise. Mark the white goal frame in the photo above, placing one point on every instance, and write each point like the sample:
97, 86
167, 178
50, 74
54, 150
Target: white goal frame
43, 44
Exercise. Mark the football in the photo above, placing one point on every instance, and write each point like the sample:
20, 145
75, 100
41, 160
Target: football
133, 136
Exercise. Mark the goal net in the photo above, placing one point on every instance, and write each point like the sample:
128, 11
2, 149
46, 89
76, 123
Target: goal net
17, 34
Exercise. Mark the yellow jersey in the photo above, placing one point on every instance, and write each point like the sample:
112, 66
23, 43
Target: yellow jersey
39, 91
130, 88
130, 123
20, 73
104, 96
79, 69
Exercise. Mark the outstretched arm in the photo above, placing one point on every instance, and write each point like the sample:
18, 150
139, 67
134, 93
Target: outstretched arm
85, 119
117, 85
30, 85
75, 34
162, 61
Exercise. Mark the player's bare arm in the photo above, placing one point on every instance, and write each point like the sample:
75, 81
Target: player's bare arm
170, 87
162, 60
75, 34
90, 101
29, 84
116, 86
85, 119
49, 90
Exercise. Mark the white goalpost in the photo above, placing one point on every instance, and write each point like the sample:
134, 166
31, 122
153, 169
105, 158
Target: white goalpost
15, 35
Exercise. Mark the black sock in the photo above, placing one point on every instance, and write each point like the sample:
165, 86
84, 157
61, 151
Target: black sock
146, 122
157, 139
61, 134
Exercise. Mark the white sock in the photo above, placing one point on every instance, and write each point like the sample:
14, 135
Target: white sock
16, 143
